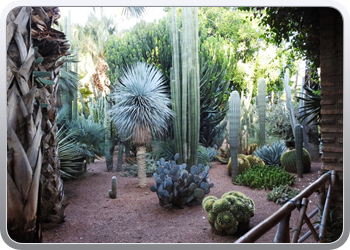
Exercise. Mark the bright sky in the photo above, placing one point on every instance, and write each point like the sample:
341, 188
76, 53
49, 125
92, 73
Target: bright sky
80, 14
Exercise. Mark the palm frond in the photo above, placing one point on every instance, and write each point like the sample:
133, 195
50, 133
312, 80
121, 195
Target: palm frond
134, 12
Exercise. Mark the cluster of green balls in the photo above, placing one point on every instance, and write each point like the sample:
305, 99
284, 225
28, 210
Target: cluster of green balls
225, 214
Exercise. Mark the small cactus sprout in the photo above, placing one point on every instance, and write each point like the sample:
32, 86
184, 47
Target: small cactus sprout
113, 193
221, 205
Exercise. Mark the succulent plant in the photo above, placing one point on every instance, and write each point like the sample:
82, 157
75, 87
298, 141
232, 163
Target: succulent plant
289, 161
176, 186
243, 164
254, 160
113, 192
271, 154
265, 177
228, 213
282, 194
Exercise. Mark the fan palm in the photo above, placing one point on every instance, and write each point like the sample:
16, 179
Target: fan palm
311, 107
141, 108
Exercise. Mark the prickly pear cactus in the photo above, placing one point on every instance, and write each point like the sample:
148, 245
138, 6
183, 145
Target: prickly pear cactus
229, 214
178, 187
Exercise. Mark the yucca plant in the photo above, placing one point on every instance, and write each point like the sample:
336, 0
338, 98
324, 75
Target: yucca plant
71, 155
141, 108
271, 154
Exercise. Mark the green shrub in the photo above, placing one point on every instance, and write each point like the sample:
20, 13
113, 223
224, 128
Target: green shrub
264, 177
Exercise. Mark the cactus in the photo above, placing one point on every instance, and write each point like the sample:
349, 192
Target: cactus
225, 219
289, 162
289, 104
113, 192
234, 116
254, 160
262, 108
243, 164
179, 187
184, 84
282, 194
229, 213
298, 132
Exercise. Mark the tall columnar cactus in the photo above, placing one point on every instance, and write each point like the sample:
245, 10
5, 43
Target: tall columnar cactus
184, 83
298, 130
234, 119
289, 103
262, 108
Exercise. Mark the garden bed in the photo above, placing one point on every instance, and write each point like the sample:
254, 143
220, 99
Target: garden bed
135, 216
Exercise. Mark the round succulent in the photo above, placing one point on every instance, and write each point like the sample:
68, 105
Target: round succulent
225, 219
211, 217
243, 209
232, 229
243, 164
289, 160
208, 205
221, 205
198, 193
210, 197
217, 226
255, 160
234, 193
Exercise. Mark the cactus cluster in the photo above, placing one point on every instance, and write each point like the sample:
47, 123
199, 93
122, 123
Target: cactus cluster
230, 213
176, 186
245, 162
289, 160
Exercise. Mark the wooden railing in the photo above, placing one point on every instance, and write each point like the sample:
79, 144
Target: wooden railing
282, 216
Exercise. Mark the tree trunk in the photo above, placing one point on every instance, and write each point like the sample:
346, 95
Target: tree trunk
141, 165
51, 46
24, 157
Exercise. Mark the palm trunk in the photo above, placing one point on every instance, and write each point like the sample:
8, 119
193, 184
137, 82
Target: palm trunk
24, 157
141, 165
51, 46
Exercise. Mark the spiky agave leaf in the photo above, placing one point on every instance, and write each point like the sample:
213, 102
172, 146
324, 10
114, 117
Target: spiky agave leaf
142, 104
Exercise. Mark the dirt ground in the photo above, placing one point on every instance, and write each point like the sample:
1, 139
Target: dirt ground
135, 216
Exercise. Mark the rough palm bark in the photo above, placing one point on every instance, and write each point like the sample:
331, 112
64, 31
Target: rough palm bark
52, 45
24, 134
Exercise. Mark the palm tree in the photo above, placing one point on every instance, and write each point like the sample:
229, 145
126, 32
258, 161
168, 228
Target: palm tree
141, 108
33, 180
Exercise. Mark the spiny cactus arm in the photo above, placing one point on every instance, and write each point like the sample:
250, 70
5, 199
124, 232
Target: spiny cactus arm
234, 115
262, 108
176, 86
298, 130
289, 104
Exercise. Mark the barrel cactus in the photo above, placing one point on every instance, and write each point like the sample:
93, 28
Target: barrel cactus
255, 160
289, 161
243, 164
229, 214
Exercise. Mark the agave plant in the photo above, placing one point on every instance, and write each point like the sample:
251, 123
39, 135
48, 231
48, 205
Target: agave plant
271, 154
141, 108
